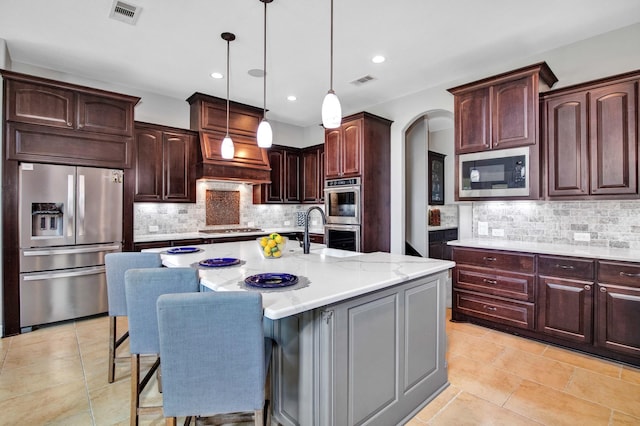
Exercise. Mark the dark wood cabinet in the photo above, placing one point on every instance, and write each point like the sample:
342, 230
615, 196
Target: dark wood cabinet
165, 164
487, 286
361, 147
592, 139
618, 308
285, 175
438, 248
567, 145
585, 304
312, 177
613, 124
343, 149
565, 297
55, 122
500, 111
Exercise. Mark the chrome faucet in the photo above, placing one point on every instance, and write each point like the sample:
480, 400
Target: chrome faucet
306, 242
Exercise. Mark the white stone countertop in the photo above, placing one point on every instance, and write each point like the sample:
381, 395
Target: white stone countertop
325, 275
190, 235
440, 228
604, 253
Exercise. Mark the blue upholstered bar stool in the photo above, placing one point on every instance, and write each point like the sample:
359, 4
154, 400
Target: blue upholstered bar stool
214, 354
116, 264
142, 288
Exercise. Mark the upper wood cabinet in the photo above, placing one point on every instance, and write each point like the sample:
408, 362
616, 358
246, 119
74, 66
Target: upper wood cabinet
343, 149
312, 174
592, 139
165, 164
56, 122
500, 111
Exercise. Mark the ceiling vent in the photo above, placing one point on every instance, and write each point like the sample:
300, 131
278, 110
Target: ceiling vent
124, 12
362, 80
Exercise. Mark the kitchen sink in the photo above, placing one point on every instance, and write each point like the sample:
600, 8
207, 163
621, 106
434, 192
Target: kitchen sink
230, 230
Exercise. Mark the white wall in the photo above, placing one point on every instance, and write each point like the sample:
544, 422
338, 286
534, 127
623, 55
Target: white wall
416, 179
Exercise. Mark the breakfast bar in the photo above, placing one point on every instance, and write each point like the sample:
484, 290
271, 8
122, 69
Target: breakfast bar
360, 337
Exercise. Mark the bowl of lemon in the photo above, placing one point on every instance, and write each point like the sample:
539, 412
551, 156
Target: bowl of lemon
272, 246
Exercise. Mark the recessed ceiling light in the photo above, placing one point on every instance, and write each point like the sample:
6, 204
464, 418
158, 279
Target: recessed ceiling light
378, 59
216, 75
291, 98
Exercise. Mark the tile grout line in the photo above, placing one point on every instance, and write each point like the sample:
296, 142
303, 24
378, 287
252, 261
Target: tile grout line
84, 375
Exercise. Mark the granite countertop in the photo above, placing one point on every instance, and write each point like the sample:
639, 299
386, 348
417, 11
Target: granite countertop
325, 275
604, 253
193, 235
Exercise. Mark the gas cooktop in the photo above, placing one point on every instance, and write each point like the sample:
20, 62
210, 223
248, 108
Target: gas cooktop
229, 230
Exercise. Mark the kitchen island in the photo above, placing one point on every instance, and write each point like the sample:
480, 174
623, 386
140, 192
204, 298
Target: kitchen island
360, 339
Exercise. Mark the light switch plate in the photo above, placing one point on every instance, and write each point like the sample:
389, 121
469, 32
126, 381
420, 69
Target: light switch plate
483, 228
497, 232
153, 228
582, 236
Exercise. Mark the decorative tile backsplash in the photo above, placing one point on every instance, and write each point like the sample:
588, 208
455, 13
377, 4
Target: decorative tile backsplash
171, 218
608, 223
448, 214
222, 207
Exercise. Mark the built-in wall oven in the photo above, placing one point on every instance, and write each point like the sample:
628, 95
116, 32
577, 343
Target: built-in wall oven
343, 213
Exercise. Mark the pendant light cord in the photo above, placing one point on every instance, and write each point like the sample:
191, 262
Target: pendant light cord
264, 68
331, 74
228, 76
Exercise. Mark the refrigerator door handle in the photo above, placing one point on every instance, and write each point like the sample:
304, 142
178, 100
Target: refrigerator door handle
94, 249
66, 274
81, 203
70, 206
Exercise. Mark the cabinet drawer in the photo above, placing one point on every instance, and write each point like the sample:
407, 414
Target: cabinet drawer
566, 267
483, 280
513, 262
513, 313
619, 273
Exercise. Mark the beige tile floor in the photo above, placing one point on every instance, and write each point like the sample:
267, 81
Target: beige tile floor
57, 376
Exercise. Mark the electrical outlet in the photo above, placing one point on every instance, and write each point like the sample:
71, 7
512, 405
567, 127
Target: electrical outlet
287, 223
582, 236
153, 228
497, 232
483, 228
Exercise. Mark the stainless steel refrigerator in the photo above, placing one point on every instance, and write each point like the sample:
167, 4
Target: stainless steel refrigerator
70, 218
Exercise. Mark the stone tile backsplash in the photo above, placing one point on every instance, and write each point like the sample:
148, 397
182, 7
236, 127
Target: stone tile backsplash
448, 214
172, 218
608, 223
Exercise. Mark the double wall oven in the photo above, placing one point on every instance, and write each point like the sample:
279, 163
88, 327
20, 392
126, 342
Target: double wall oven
343, 212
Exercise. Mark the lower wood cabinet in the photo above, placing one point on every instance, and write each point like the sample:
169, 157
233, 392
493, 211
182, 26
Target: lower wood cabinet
585, 304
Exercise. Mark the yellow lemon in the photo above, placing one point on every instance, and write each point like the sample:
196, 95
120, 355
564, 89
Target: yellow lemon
263, 241
278, 239
271, 243
277, 253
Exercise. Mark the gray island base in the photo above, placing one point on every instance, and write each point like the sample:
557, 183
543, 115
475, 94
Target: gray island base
362, 343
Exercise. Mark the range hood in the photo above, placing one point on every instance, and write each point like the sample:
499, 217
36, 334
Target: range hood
250, 163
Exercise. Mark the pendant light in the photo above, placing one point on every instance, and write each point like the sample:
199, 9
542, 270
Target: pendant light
265, 134
331, 109
226, 149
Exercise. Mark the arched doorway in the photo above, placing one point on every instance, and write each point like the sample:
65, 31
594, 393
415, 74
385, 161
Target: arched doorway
432, 131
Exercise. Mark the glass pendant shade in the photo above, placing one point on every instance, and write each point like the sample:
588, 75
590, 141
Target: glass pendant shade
331, 111
265, 134
227, 149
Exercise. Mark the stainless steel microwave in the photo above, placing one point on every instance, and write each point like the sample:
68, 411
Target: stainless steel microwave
499, 173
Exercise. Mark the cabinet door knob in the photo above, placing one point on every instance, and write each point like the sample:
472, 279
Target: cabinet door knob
490, 281
587, 287
490, 308
603, 289
489, 259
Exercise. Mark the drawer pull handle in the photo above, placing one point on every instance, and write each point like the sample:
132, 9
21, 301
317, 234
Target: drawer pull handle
626, 274
490, 281
603, 289
587, 287
490, 308
565, 267
489, 259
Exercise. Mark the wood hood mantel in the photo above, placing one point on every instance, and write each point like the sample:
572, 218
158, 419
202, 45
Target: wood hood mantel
208, 116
